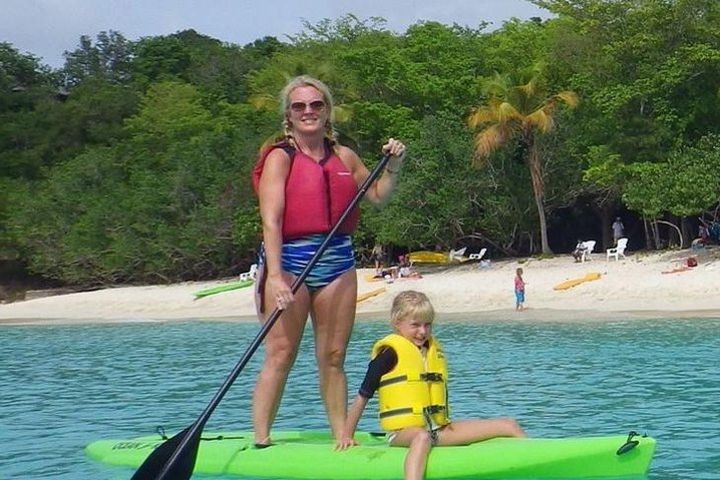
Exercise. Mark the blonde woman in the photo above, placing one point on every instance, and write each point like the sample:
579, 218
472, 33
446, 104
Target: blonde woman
304, 183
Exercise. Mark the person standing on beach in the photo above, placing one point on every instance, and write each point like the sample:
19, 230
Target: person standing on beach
519, 290
409, 371
378, 256
618, 230
304, 182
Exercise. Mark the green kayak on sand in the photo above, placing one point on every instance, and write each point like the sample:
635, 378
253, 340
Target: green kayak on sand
311, 455
223, 288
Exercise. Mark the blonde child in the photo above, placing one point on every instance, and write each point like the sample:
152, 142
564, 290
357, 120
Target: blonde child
519, 290
412, 352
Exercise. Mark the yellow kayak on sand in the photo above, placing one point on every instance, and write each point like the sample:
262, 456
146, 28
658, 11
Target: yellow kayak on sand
426, 256
371, 293
589, 277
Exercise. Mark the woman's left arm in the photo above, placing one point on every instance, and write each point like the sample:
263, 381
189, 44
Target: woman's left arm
379, 192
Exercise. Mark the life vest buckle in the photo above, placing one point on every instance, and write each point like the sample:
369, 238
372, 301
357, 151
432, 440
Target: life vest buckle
432, 377
433, 409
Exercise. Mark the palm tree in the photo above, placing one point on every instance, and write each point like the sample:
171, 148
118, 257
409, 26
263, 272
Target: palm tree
515, 113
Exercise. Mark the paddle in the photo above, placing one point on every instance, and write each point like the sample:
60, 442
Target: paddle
175, 458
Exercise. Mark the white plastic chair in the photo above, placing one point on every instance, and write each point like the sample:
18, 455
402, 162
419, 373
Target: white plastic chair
250, 274
618, 251
456, 254
589, 247
479, 255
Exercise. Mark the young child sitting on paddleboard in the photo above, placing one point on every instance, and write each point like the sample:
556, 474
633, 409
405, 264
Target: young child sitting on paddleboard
409, 371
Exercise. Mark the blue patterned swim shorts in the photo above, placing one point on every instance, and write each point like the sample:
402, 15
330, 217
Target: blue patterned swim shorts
338, 258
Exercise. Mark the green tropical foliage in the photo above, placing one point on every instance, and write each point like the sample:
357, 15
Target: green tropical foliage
132, 162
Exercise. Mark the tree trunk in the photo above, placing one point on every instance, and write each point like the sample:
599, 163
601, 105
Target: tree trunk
677, 231
687, 232
648, 244
656, 234
535, 166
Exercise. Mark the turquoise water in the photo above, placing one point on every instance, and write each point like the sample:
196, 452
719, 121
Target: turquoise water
62, 387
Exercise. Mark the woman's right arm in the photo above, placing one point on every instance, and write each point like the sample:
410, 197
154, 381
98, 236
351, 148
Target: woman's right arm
271, 193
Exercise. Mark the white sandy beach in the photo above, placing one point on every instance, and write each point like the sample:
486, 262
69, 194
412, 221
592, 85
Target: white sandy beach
635, 287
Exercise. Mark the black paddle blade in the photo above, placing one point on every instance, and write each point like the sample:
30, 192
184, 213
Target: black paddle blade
181, 469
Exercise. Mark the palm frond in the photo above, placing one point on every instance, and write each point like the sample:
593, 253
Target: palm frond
506, 113
530, 89
481, 116
496, 86
487, 141
541, 119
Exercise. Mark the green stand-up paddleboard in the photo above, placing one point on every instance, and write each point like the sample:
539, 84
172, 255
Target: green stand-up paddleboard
223, 288
311, 455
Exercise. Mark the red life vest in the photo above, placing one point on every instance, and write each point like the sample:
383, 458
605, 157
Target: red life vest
316, 194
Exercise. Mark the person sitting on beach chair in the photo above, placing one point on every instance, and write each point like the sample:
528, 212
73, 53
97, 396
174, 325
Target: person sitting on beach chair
579, 251
406, 268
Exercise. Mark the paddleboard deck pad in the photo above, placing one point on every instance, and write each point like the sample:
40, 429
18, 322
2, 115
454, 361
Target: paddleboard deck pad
311, 455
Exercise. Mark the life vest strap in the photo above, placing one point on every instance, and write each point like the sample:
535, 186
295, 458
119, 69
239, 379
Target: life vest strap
390, 381
425, 377
431, 377
397, 411
429, 410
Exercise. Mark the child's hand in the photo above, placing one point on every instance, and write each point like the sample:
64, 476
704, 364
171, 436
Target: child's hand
345, 443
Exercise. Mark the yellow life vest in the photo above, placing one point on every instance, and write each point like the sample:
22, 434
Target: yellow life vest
415, 387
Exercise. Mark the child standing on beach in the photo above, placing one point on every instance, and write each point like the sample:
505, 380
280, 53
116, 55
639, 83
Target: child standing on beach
519, 290
409, 372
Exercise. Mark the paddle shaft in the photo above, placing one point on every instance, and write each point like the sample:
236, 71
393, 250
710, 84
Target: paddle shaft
197, 427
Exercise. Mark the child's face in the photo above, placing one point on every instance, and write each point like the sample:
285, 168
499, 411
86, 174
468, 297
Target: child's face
417, 330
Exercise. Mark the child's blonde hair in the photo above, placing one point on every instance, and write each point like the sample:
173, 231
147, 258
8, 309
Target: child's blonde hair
411, 303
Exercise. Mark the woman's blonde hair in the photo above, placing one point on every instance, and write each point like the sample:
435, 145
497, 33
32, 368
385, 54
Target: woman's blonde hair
307, 81
284, 137
411, 303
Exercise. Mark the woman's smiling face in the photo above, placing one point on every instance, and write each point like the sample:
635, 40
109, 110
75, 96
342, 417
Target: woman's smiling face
307, 110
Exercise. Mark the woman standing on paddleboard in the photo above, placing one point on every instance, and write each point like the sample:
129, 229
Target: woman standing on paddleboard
304, 183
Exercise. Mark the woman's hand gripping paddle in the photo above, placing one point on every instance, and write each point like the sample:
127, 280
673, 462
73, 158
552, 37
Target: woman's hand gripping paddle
175, 458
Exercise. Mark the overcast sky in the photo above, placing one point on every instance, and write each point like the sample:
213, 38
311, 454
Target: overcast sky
47, 28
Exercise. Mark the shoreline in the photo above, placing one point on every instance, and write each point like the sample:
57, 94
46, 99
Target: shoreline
529, 315
644, 285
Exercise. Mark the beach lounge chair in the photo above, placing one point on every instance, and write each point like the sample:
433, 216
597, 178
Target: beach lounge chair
250, 274
618, 251
479, 255
457, 254
589, 247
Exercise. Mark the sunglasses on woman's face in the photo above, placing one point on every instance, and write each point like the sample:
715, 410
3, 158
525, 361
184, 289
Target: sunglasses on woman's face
300, 107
